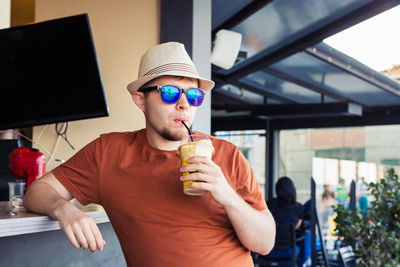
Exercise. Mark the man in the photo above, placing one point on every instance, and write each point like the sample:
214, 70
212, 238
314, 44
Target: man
137, 177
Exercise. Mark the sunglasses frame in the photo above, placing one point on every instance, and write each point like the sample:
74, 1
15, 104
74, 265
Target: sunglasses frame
182, 90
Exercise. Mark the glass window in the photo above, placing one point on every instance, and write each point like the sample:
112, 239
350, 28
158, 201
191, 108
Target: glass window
337, 156
334, 158
252, 146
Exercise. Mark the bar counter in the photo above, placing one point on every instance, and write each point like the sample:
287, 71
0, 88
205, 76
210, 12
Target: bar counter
28, 239
25, 222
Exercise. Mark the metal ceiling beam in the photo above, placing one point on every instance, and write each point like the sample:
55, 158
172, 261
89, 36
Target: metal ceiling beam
244, 13
298, 110
266, 58
377, 116
310, 86
252, 88
259, 90
231, 97
324, 52
236, 123
307, 110
279, 112
239, 107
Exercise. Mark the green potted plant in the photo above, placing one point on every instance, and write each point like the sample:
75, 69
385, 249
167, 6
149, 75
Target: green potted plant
376, 233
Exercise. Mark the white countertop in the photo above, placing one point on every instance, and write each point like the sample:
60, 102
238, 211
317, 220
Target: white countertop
25, 222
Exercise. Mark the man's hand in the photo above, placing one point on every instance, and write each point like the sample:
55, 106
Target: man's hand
80, 228
48, 196
213, 180
254, 228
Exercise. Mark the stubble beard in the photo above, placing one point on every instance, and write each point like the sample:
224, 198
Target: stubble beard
168, 135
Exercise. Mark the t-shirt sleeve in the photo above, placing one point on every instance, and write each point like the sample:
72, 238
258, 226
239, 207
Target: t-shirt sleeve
81, 173
246, 183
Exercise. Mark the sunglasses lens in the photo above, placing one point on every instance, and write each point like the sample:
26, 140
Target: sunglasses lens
195, 96
170, 94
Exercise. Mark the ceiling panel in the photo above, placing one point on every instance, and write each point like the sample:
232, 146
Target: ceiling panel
281, 87
323, 74
282, 21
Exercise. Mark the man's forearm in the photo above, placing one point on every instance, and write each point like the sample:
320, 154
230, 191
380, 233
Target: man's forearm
255, 229
44, 199
80, 228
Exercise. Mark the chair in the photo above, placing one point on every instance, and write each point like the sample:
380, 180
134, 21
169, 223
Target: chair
283, 231
347, 256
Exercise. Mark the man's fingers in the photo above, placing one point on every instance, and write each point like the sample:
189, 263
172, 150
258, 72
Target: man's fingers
196, 176
71, 236
79, 234
87, 231
197, 166
200, 185
97, 236
80, 228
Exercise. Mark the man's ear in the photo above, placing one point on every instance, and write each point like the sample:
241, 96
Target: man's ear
139, 99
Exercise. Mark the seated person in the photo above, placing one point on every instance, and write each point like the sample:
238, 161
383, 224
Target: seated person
286, 211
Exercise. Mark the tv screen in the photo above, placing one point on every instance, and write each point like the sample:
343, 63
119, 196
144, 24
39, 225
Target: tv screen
49, 73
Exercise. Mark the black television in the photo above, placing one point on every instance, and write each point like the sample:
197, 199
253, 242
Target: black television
49, 73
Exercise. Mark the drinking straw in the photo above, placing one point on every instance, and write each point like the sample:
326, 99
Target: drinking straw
190, 132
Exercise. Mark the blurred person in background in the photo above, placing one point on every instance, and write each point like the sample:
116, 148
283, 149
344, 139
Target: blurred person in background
286, 211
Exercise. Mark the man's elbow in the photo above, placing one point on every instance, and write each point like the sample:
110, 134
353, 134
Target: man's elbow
269, 244
266, 249
34, 195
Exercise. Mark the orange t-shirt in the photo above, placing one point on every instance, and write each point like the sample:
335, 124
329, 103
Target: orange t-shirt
156, 223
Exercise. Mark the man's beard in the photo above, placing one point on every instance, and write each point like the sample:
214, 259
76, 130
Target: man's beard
170, 134
165, 132
167, 135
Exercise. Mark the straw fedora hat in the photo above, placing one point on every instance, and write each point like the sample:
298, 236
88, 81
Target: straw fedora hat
167, 59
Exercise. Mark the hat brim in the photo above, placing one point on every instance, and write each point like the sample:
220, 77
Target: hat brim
204, 84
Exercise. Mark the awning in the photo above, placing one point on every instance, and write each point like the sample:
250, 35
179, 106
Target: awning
288, 77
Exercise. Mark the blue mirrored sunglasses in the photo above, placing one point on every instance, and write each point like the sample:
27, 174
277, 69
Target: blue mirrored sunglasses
171, 94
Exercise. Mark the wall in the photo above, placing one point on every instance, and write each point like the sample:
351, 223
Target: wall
5, 7
122, 31
22, 12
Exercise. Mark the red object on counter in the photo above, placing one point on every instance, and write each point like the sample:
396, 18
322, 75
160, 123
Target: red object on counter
27, 164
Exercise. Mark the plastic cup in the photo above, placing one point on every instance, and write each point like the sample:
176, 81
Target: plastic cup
16, 193
194, 145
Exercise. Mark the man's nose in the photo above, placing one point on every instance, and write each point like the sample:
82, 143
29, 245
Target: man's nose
183, 103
